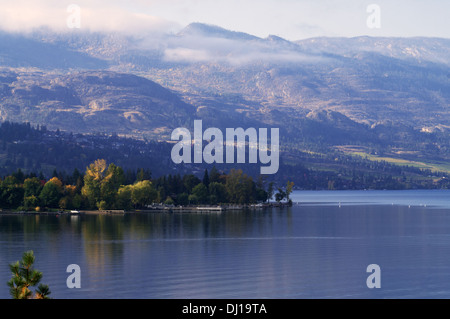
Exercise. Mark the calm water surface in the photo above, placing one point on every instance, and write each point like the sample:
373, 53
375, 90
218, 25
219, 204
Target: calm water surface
319, 248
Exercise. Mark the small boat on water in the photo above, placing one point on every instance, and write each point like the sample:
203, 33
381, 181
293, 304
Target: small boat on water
74, 212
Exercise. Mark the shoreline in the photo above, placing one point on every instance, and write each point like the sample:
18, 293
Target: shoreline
153, 209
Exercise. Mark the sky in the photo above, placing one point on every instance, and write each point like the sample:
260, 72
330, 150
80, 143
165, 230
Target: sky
290, 19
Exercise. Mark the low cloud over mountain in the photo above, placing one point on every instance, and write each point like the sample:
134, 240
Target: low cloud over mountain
321, 90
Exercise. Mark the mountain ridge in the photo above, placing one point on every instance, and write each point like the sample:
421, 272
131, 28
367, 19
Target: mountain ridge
322, 92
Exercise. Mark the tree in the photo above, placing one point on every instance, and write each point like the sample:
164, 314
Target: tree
201, 192
77, 177
177, 186
169, 201
261, 194
64, 203
183, 199
11, 192
289, 187
51, 193
24, 277
19, 175
190, 181
143, 193
217, 193
69, 193
32, 187
160, 194
124, 197
96, 170
57, 182
206, 178
193, 199
280, 195
30, 202
214, 175
92, 182
109, 185
240, 187
78, 201
143, 174
270, 191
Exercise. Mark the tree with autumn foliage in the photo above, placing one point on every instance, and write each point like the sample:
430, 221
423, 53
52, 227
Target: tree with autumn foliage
289, 188
102, 183
106, 187
93, 177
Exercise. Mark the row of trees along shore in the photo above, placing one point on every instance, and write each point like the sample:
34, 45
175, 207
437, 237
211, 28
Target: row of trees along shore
104, 187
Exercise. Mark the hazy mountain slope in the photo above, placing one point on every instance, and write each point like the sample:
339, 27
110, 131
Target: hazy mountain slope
23, 51
417, 49
213, 31
91, 101
387, 93
370, 80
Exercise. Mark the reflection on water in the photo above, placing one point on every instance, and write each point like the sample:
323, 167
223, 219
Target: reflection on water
306, 251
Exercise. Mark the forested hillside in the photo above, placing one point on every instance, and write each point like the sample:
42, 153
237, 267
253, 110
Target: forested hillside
50, 153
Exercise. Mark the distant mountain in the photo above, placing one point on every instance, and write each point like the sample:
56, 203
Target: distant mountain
415, 49
390, 96
92, 101
213, 31
18, 50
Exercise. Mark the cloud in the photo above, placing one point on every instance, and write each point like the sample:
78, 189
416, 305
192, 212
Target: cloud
107, 16
305, 30
187, 55
192, 49
291, 19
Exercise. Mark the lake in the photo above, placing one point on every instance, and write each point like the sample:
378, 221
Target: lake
319, 248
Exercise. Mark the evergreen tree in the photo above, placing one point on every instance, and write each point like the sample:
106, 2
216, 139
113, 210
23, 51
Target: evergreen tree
25, 276
19, 175
214, 175
76, 176
206, 178
143, 174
